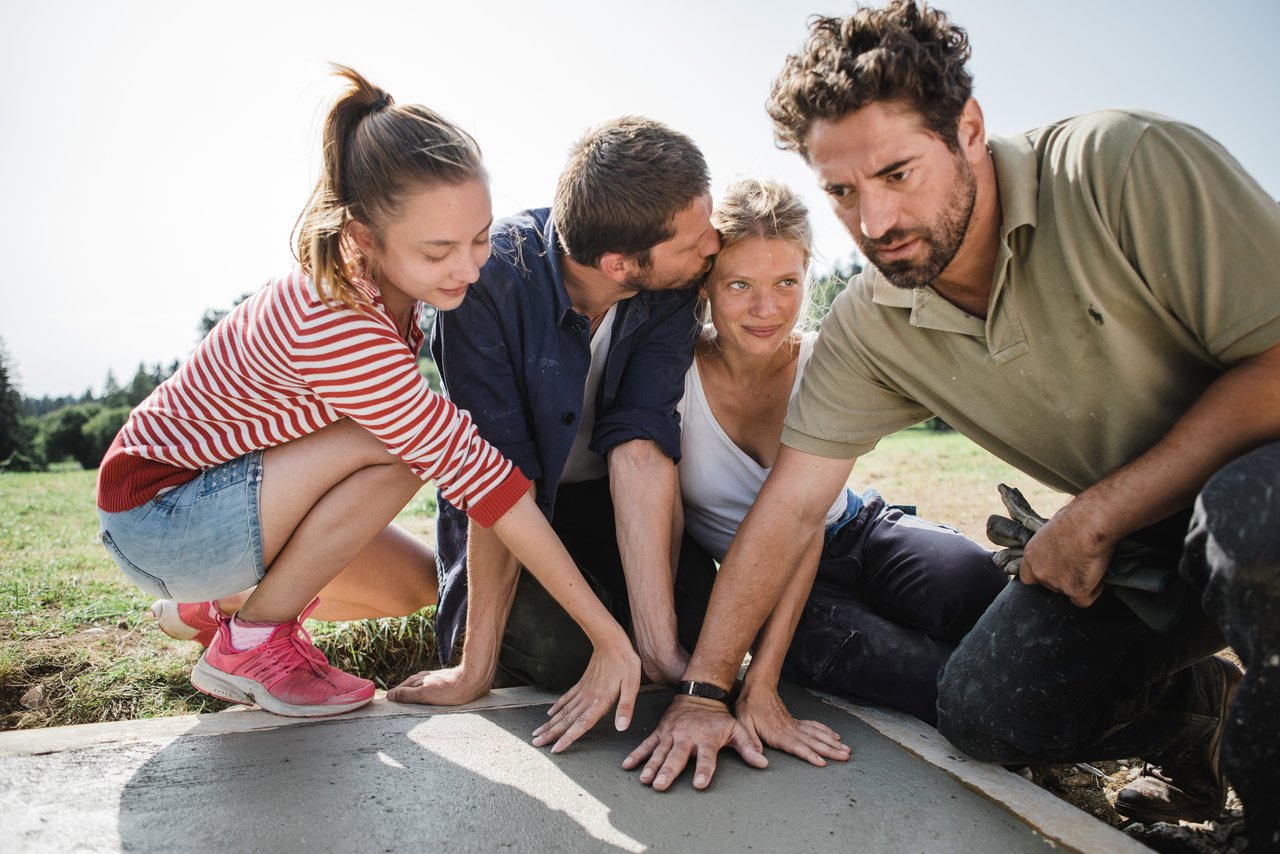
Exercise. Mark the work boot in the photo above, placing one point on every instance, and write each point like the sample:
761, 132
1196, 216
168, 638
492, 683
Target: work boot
1190, 788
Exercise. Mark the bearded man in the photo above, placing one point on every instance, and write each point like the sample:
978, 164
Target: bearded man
1097, 303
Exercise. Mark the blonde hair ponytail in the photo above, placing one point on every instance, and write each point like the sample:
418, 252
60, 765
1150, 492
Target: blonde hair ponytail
374, 153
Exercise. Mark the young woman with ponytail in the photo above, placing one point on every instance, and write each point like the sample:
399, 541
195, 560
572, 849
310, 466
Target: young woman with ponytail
266, 472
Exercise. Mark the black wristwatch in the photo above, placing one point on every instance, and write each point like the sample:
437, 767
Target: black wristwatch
705, 690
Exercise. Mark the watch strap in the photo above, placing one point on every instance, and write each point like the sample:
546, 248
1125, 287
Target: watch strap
705, 690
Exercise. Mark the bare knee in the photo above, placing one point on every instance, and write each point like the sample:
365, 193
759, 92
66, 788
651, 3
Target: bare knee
322, 459
351, 439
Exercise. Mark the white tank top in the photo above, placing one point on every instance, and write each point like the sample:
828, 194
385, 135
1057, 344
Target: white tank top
718, 481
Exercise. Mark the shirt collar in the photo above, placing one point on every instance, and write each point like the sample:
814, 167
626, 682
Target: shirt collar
635, 308
551, 245
367, 289
1017, 173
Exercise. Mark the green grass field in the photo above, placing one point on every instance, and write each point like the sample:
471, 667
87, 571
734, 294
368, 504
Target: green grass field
77, 644
948, 478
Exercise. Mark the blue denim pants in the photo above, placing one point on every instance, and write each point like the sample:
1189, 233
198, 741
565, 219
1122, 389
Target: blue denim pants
1040, 680
893, 596
200, 540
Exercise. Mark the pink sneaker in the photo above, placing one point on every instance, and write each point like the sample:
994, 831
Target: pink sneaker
187, 621
285, 675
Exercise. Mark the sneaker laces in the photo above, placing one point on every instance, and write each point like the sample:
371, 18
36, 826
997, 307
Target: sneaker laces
288, 649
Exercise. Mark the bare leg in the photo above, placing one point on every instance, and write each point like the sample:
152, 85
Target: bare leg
326, 498
393, 577
228, 605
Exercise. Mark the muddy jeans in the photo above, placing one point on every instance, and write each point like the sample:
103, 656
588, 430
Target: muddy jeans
893, 596
542, 644
1039, 680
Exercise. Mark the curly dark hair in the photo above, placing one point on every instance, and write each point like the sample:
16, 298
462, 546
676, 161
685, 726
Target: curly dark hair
909, 54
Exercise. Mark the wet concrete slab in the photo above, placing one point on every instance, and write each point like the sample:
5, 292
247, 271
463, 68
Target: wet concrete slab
394, 778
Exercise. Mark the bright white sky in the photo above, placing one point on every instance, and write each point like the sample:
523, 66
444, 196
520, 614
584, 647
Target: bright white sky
156, 154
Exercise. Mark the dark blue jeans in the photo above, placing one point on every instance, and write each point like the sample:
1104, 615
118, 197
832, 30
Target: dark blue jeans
542, 644
892, 598
1039, 680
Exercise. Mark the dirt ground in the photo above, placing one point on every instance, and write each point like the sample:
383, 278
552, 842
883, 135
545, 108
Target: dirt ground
1082, 787
1093, 788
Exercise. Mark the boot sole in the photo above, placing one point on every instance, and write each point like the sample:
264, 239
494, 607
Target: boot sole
1141, 815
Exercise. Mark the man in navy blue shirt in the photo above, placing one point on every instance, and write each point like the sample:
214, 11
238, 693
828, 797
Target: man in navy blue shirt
570, 354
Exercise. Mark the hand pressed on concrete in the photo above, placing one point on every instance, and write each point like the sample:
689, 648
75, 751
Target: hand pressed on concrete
612, 674
692, 728
766, 719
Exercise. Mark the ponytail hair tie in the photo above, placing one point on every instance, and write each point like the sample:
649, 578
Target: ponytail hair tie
381, 104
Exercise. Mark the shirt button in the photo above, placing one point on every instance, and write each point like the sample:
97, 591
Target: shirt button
581, 326
568, 418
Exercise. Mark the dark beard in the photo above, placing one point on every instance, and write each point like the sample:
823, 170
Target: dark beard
636, 285
943, 239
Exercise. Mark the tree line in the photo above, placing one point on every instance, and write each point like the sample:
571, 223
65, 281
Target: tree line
35, 432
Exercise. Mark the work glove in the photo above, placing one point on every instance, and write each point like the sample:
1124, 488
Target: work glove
1143, 578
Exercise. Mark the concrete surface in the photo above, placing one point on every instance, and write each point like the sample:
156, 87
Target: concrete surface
394, 778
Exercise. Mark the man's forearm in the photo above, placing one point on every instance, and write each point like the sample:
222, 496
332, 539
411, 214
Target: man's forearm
1237, 413
746, 590
783, 529
492, 573
644, 487
780, 625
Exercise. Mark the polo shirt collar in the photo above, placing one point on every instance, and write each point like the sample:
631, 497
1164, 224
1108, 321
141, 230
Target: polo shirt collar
1019, 187
1017, 172
1017, 176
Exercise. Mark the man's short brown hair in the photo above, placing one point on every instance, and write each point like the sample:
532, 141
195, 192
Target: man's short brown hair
907, 54
624, 183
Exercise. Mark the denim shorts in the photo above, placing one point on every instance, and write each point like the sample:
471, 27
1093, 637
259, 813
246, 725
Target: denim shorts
197, 541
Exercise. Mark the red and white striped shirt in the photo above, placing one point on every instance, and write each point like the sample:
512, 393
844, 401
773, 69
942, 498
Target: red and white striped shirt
283, 364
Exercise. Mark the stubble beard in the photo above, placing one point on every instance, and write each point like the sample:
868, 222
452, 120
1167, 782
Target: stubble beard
943, 239
651, 282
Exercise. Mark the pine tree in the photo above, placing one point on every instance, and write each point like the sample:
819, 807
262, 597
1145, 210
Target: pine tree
14, 438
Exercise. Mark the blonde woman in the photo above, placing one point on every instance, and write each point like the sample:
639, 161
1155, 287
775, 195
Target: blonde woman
877, 612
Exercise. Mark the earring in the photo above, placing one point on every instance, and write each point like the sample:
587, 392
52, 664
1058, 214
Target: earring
364, 268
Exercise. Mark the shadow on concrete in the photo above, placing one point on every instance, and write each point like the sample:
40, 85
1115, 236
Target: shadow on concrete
471, 781
365, 784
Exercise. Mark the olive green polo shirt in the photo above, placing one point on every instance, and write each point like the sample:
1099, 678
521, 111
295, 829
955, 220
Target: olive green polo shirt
1137, 263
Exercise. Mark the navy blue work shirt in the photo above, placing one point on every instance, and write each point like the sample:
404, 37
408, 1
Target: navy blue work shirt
515, 355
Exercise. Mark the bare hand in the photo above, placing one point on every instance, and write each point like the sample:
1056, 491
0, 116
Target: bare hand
451, 686
1069, 555
692, 727
612, 674
764, 716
